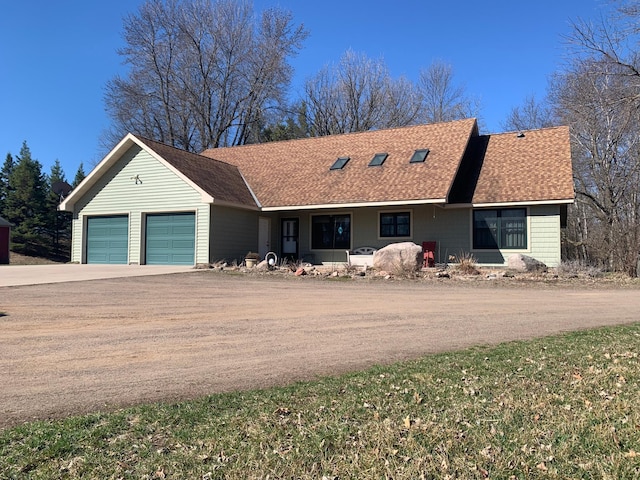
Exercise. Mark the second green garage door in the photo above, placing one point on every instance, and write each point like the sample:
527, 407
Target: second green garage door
171, 239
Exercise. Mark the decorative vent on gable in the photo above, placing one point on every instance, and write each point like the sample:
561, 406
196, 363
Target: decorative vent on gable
378, 159
419, 156
339, 163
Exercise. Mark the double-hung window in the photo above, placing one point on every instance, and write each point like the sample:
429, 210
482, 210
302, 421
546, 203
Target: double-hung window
504, 228
395, 224
331, 232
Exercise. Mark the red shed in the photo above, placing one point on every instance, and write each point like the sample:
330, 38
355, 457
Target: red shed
5, 233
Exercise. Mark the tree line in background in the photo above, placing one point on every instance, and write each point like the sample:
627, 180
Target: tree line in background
209, 74
29, 200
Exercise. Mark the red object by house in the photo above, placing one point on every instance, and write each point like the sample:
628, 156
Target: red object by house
5, 234
429, 253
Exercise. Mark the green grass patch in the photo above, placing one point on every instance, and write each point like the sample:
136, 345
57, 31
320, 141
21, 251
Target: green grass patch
559, 407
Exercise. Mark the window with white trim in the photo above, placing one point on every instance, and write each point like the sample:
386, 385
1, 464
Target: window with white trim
500, 228
331, 232
395, 224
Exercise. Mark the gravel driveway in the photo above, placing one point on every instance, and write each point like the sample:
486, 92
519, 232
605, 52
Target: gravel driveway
99, 345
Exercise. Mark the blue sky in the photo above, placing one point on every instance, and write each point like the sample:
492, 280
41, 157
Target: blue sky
56, 56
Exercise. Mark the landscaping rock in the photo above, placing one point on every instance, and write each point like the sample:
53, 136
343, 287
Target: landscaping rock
398, 257
524, 263
300, 272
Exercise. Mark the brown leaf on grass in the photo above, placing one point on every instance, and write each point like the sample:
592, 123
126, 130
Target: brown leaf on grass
417, 398
541, 466
282, 411
407, 422
632, 454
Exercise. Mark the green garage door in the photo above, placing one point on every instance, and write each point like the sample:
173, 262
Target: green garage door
171, 239
107, 239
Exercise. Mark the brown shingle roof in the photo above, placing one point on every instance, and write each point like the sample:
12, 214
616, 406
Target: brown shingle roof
534, 167
219, 179
296, 172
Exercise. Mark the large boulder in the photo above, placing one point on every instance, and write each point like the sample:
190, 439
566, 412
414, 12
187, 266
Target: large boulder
398, 258
524, 263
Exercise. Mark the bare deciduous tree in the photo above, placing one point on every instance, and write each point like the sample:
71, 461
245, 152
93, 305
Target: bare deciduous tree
606, 155
613, 40
358, 94
599, 97
202, 73
442, 99
530, 115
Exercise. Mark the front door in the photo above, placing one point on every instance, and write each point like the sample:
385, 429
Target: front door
290, 238
264, 236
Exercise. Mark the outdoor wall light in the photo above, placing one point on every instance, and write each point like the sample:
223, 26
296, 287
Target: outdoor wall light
137, 179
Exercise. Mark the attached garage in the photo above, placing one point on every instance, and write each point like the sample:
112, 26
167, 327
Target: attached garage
108, 239
147, 203
170, 239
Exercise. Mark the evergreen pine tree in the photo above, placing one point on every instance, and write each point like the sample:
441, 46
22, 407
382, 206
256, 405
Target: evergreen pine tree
5, 172
58, 223
26, 205
79, 176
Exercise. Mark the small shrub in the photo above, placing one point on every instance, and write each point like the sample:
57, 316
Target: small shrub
576, 268
466, 263
403, 270
286, 263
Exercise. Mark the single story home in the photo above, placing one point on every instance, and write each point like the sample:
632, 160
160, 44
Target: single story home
315, 198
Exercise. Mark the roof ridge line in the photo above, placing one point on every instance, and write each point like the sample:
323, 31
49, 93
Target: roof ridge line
350, 134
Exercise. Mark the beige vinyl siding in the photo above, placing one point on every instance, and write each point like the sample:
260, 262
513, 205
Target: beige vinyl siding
159, 190
234, 232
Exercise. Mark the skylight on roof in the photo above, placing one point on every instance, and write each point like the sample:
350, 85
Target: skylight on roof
419, 156
339, 163
378, 159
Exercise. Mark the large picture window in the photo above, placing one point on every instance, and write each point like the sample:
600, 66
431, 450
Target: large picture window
500, 228
395, 224
331, 232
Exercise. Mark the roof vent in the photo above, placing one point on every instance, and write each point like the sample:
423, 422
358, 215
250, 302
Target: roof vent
339, 163
520, 135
